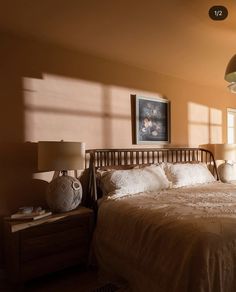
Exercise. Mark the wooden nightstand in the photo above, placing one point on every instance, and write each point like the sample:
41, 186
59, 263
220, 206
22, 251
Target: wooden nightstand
47, 245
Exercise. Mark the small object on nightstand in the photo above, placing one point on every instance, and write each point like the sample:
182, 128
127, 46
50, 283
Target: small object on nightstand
30, 213
31, 216
25, 210
38, 209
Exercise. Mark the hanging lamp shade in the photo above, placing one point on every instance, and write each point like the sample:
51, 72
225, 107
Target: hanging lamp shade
230, 74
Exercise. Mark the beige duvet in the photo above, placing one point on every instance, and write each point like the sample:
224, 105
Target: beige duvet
175, 240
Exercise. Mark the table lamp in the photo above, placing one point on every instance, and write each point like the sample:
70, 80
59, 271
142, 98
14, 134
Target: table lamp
226, 152
64, 192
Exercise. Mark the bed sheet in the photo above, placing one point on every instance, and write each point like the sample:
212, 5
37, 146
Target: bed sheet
175, 240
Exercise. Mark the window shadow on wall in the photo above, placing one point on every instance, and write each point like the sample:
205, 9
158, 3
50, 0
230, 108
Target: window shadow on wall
204, 123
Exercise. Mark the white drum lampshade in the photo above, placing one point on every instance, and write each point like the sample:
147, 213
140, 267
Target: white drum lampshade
64, 193
226, 152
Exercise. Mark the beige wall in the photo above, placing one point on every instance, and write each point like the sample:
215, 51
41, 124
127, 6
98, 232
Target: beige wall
50, 93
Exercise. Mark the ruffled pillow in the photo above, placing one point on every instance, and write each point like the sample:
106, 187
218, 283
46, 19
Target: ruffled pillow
185, 174
132, 181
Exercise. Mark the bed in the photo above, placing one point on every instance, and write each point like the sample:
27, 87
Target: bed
177, 238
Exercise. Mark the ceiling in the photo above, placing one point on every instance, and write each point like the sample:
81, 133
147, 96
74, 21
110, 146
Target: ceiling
174, 37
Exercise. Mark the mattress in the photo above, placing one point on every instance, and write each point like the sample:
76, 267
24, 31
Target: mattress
174, 240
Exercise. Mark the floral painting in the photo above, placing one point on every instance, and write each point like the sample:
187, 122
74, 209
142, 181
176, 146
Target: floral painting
150, 120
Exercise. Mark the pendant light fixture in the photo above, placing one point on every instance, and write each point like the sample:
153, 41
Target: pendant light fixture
230, 74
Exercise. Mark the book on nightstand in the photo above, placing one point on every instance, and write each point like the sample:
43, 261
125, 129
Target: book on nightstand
31, 216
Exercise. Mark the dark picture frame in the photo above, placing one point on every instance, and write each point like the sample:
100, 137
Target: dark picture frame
150, 120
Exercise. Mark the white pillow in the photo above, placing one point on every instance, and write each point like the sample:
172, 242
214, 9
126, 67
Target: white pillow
132, 181
185, 174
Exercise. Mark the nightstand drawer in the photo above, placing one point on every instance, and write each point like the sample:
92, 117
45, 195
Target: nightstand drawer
55, 227
43, 245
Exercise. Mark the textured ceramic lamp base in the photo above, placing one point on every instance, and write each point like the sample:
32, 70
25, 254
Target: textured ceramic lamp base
226, 172
64, 194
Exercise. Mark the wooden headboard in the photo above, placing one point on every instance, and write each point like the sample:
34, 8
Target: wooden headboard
96, 158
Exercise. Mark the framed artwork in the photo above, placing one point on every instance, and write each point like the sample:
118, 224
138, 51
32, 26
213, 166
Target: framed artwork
150, 120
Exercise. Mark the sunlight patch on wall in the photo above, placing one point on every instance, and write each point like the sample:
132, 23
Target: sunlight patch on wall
58, 107
198, 121
198, 113
56, 92
62, 108
215, 125
204, 124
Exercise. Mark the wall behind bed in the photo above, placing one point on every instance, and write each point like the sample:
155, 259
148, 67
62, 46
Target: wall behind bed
53, 93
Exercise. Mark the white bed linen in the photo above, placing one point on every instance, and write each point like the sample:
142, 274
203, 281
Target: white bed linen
186, 174
175, 240
148, 178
